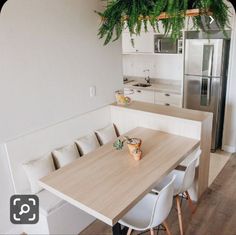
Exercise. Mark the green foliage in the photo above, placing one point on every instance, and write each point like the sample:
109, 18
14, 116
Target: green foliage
118, 144
135, 13
220, 12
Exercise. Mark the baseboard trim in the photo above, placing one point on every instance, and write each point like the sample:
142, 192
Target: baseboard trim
229, 149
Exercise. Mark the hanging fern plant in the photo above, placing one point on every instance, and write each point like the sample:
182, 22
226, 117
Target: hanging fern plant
134, 14
219, 11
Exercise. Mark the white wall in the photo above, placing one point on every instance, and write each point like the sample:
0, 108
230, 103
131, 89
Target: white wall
49, 56
159, 66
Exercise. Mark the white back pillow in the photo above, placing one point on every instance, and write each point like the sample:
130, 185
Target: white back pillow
87, 143
65, 155
37, 169
106, 134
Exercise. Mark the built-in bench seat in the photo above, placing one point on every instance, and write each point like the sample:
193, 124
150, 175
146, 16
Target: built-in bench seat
56, 216
49, 202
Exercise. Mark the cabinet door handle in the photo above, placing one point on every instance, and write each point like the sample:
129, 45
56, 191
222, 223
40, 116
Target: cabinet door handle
167, 104
167, 94
139, 91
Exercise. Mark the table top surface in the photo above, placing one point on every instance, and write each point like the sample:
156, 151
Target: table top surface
107, 183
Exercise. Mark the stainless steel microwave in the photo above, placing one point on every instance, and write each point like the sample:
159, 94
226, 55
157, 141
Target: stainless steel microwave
163, 44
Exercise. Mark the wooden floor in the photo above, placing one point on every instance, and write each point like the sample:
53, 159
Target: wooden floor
215, 215
218, 160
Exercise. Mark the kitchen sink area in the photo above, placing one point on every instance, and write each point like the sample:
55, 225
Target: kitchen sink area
158, 91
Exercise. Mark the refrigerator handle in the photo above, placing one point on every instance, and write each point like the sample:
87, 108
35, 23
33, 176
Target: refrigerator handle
159, 45
208, 90
205, 91
207, 60
211, 61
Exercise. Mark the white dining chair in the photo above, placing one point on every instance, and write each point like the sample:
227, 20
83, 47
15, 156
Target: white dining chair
151, 211
182, 183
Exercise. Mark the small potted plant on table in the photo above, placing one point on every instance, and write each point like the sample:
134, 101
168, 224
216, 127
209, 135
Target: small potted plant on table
133, 144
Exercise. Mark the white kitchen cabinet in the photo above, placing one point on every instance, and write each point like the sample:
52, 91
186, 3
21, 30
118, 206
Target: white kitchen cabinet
140, 95
143, 43
127, 46
162, 98
168, 99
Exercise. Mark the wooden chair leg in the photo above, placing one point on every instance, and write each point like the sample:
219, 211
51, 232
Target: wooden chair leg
179, 215
190, 203
151, 231
167, 228
129, 231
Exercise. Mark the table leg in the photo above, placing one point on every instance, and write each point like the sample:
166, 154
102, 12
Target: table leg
116, 230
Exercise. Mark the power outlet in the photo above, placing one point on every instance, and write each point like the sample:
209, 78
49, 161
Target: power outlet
92, 91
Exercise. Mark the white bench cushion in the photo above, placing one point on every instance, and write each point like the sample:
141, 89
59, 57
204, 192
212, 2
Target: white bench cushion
87, 143
48, 202
106, 134
37, 169
65, 155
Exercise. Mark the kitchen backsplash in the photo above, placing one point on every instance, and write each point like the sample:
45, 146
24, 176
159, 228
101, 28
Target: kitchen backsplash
169, 66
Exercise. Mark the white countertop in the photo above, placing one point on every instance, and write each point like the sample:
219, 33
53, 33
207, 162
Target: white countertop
156, 86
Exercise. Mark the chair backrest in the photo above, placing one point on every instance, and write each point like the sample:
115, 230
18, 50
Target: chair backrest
163, 204
190, 172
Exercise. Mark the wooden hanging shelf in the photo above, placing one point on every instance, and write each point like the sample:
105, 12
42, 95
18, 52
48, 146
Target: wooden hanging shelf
164, 15
191, 12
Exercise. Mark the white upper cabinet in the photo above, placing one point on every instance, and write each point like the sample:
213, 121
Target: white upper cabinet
127, 46
143, 43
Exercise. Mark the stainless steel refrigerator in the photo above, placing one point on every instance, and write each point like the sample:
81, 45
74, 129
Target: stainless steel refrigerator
205, 79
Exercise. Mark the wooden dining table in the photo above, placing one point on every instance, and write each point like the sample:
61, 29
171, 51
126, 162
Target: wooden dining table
107, 183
